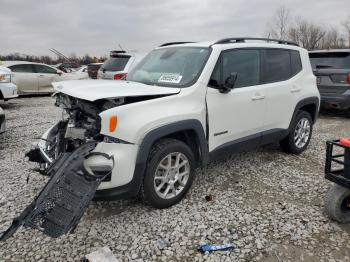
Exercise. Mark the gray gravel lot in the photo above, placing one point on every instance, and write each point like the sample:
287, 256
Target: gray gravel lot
267, 202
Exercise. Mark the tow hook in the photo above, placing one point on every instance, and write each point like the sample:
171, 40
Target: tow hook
74, 179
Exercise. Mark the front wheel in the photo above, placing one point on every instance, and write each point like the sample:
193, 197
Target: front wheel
169, 174
337, 204
299, 135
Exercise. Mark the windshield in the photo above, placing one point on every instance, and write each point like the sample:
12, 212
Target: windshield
172, 66
116, 63
338, 60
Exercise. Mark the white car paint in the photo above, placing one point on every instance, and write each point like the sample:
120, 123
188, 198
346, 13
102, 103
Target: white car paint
8, 89
107, 74
240, 113
93, 90
33, 78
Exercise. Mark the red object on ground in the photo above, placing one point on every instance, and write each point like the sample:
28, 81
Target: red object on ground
344, 141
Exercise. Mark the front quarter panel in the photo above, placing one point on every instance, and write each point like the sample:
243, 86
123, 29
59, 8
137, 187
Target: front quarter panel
137, 119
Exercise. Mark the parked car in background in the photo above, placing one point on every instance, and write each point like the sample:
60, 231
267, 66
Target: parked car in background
32, 78
92, 69
7, 88
82, 69
332, 69
2, 121
118, 65
68, 67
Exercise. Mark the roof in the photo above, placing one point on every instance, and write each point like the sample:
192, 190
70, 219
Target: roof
237, 41
330, 50
10, 63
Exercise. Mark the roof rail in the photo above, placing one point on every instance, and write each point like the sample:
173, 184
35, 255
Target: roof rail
243, 39
175, 43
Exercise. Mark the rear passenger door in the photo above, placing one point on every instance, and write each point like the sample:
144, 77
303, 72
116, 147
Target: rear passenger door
282, 89
236, 116
25, 78
46, 75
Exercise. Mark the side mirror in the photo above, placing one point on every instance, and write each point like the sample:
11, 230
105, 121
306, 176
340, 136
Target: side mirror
229, 83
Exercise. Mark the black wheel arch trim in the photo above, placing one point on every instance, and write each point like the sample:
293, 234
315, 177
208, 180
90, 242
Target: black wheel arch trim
314, 100
132, 188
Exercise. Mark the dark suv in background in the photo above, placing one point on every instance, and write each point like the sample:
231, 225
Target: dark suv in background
332, 69
93, 69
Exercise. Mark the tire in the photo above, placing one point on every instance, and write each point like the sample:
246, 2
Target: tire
292, 145
337, 203
158, 164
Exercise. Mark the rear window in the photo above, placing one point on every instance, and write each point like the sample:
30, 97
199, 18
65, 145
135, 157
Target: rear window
277, 65
295, 61
338, 60
116, 63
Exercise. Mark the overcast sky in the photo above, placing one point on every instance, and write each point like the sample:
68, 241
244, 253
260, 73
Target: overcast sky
96, 27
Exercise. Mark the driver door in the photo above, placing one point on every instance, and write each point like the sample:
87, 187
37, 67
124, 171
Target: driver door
236, 116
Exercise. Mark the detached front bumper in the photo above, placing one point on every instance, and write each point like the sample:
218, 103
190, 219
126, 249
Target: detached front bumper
74, 178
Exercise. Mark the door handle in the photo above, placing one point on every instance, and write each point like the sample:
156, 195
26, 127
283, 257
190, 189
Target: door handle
41, 75
258, 97
295, 89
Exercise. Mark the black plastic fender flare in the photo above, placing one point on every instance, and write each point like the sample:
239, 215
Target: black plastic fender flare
132, 188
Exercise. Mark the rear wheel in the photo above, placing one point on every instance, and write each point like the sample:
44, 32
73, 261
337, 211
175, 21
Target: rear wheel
300, 134
169, 173
337, 204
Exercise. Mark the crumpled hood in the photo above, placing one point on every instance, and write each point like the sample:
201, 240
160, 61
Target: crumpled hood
93, 90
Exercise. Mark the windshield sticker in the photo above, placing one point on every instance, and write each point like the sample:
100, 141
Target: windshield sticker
170, 78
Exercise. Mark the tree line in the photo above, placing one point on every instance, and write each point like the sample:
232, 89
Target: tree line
283, 25
83, 60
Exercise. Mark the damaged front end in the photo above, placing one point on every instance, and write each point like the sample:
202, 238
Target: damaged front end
65, 154
80, 124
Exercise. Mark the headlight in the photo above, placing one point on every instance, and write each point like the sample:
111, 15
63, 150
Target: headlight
5, 78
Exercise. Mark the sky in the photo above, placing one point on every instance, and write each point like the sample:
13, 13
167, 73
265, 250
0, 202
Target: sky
96, 27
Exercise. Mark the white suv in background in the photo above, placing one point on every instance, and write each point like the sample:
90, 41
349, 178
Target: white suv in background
7, 88
179, 107
118, 65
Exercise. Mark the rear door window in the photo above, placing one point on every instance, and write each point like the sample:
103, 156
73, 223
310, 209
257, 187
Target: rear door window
337, 60
22, 68
277, 65
44, 69
115, 63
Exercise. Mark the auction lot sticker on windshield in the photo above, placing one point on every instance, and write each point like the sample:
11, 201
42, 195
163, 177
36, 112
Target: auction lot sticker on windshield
170, 78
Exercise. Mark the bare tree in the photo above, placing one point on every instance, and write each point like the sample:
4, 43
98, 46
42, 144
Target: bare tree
306, 34
278, 26
332, 39
346, 26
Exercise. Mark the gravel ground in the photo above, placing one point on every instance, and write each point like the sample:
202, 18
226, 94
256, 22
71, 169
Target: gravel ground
267, 202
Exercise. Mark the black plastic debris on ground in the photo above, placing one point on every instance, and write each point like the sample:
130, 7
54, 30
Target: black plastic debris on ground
62, 202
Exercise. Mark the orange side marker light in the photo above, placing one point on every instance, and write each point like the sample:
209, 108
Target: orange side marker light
113, 122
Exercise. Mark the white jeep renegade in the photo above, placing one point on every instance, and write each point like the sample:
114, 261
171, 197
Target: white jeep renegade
181, 105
